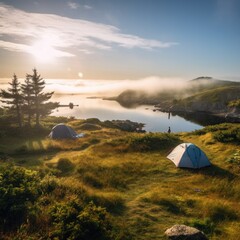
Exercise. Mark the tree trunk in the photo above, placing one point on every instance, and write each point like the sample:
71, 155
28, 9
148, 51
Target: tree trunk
19, 117
37, 113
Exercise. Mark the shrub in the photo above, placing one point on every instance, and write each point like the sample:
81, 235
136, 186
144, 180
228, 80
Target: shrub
65, 165
204, 225
145, 142
73, 221
90, 127
231, 135
225, 132
18, 191
152, 141
48, 184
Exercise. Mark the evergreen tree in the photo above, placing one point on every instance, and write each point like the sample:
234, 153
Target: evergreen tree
28, 99
13, 98
40, 106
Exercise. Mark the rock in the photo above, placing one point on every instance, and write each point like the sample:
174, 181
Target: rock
183, 232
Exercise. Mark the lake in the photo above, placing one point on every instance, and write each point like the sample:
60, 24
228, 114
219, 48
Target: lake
155, 121
80, 92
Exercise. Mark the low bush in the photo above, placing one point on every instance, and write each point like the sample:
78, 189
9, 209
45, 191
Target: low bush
48, 184
65, 165
145, 142
89, 127
225, 132
74, 221
152, 142
19, 189
230, 135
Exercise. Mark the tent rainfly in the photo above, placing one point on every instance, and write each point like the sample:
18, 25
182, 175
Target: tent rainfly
188, 155
62, 131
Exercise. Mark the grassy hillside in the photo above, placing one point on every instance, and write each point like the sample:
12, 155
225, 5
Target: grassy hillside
120, 185
168, 96
214, 100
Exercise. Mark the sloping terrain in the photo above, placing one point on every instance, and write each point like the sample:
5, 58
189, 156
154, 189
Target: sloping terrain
129, 175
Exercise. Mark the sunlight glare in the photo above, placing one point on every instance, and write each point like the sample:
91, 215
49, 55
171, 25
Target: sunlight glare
80, 74
44, 51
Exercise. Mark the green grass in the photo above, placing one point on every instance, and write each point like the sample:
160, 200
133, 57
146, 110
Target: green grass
129, 175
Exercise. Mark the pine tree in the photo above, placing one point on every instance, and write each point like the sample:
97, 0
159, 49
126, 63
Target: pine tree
13, 98
28, 99
40, 106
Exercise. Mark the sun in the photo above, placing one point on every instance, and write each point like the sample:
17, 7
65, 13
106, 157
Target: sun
80, 75
44, 51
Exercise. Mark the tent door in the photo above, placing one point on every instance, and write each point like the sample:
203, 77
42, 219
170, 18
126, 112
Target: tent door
194, 154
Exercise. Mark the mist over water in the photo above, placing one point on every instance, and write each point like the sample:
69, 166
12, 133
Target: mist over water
112, 87
112, 110
80, 92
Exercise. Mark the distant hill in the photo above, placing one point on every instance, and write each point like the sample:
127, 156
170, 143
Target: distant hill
201, 84
202, 94
214, 100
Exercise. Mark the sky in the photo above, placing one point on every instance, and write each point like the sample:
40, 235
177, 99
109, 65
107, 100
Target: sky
119, 40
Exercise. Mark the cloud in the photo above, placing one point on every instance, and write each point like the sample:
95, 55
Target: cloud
151, 85
73, 5
66, 35
88, 7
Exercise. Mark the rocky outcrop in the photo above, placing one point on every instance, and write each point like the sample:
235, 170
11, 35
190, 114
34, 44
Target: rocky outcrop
212, 102
183, 232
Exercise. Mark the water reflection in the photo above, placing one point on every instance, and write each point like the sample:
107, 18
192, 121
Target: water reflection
155, 121
201, 118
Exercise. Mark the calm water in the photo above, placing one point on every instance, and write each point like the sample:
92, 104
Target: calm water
111, 110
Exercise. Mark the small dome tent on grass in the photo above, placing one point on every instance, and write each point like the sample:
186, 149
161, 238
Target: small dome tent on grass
62, 131
188, 155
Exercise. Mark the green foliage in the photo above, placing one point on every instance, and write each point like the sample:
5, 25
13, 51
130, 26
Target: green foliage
18, 190
153, 142
13, 98
234, 103
205, 225
65, 165
230, 135
113, 202
27, 99
145, 142
225, 132
48, 184
73, 221
213, 128
234, 160
89, 127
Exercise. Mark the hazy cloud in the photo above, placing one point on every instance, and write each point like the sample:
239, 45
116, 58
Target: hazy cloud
151, 85
73, 5
65, 35
87, 7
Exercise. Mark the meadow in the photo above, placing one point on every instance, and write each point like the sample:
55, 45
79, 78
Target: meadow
117, 184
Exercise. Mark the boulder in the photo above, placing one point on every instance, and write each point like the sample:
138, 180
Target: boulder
183, 232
